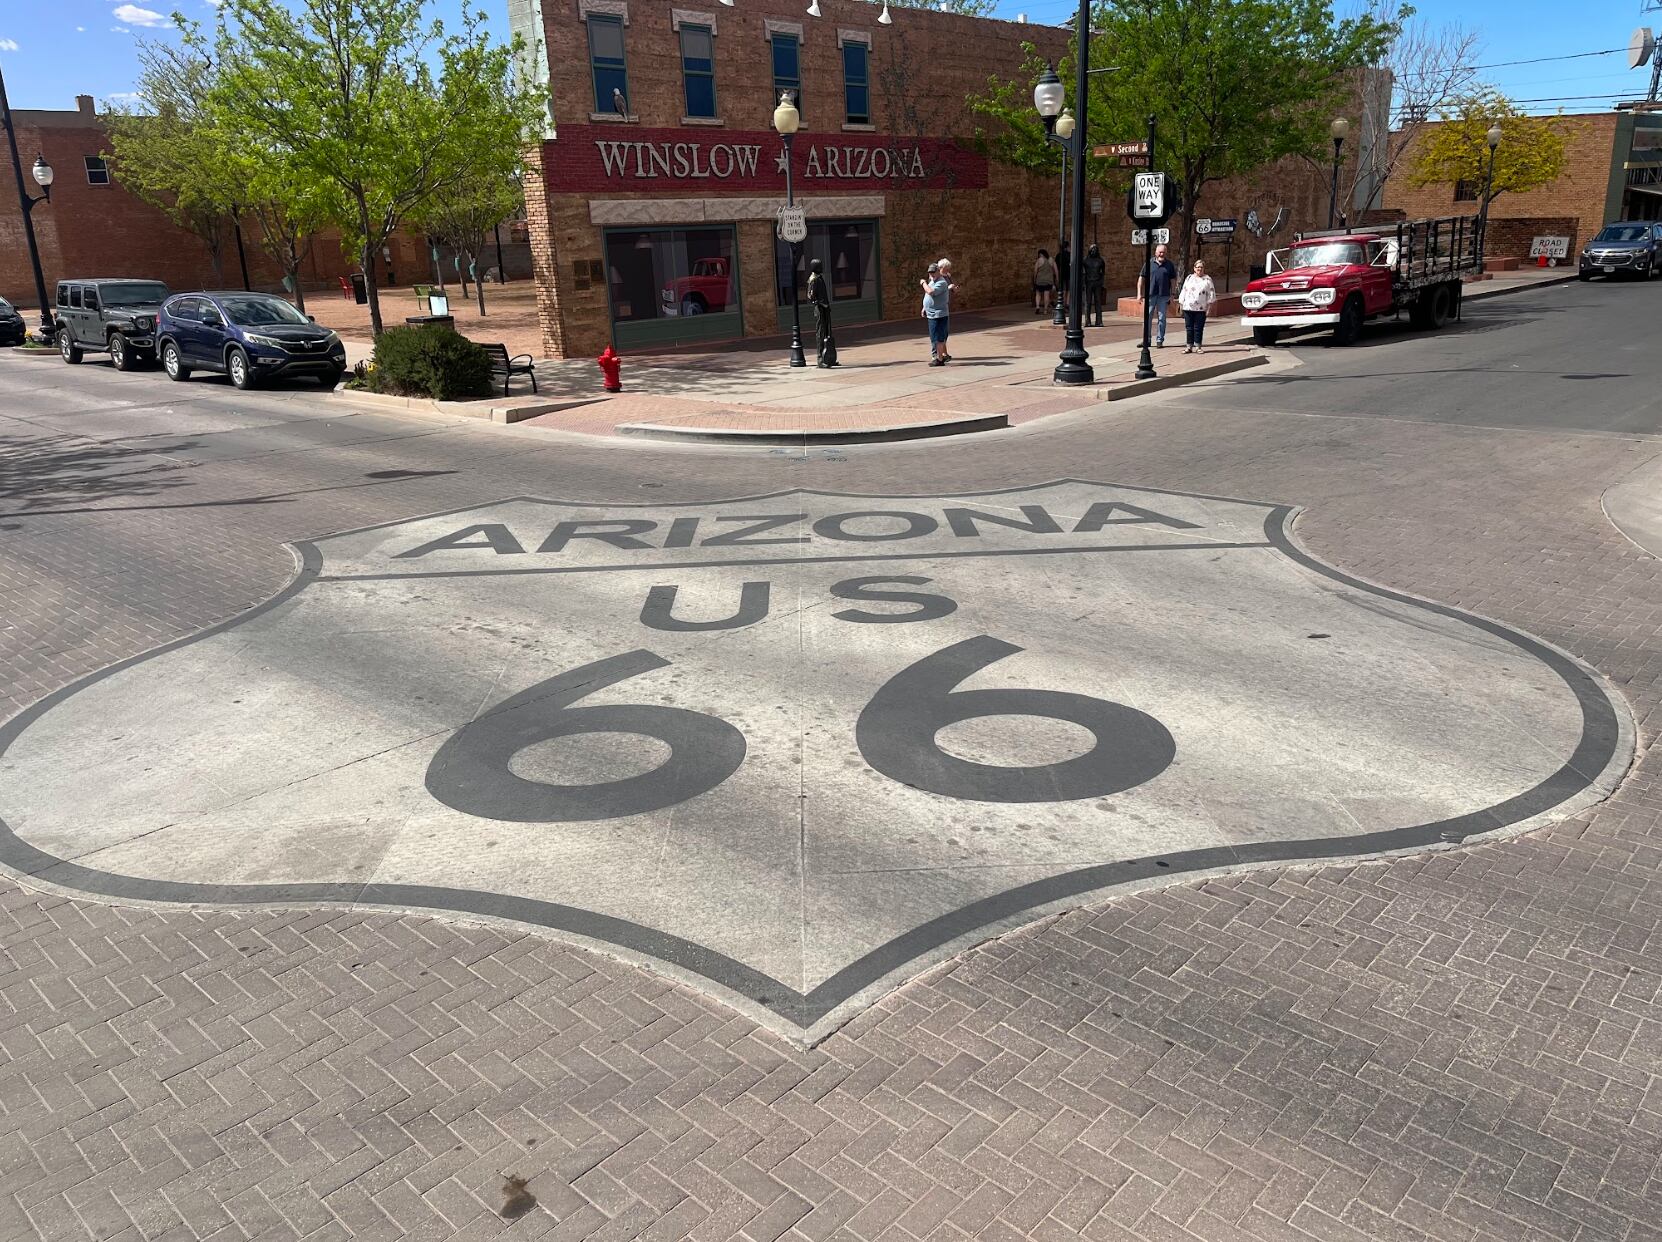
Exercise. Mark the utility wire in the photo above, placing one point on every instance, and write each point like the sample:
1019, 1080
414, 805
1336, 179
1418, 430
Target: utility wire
1507, 64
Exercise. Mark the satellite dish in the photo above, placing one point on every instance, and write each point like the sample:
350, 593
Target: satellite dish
1640, 47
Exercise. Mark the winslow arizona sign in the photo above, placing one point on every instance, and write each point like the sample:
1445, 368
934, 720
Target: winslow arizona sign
794, 749
598, 158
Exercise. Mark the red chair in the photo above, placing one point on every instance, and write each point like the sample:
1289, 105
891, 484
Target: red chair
346, 288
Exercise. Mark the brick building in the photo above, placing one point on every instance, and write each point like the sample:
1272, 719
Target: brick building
94, 227
1612, 171
662, 176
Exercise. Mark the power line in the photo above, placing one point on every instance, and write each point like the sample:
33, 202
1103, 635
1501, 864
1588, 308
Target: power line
1507, 64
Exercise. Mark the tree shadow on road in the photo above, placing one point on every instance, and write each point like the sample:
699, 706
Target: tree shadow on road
38, 472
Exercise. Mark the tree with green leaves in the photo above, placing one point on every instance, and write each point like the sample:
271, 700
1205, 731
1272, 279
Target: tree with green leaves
291, 207
170, 154
1530, 152
1233, 85
464, 216
375, 98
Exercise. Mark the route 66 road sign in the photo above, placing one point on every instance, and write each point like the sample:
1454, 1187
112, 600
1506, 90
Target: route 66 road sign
793, 224
794, 749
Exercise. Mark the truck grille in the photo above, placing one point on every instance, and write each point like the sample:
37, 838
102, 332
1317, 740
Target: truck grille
1287, 302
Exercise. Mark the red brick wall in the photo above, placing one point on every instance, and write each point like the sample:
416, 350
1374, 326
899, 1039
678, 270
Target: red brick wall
102, 230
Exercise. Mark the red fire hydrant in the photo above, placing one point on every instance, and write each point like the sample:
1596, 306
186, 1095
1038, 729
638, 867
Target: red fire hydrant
609, 362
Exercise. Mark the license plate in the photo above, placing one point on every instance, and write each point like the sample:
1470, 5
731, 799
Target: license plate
1607, 270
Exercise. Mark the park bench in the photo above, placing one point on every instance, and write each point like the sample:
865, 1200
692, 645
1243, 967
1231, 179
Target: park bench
508, 367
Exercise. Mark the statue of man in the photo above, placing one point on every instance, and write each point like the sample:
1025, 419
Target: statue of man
819, 293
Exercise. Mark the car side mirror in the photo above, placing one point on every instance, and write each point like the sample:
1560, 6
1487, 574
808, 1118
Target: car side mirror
311, 318
212, 320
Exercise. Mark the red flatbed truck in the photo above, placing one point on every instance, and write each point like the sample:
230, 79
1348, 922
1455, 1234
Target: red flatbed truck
1341, 278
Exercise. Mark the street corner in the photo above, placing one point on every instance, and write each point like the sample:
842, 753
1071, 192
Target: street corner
794, 749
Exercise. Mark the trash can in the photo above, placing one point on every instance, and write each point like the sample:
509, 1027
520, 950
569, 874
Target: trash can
360, 289
1255, 271
423, 321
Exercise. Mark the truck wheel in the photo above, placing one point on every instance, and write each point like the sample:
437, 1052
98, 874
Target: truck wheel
1437, 312
1349, 326
1266, 336
68, 349
692, 304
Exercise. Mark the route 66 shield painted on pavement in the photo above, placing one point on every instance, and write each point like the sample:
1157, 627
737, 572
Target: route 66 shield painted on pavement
797, 748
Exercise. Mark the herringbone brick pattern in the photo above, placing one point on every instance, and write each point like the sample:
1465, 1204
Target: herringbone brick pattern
1455, 1046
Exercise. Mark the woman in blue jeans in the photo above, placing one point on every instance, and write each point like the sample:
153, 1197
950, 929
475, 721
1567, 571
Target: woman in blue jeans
937, 308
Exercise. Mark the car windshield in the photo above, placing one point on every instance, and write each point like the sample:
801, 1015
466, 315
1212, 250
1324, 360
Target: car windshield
256, 310
134, 293
1623, 233
1325, 253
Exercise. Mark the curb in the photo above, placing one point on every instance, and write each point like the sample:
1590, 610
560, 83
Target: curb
1488, 291
1137, 388
456, 409
857, 435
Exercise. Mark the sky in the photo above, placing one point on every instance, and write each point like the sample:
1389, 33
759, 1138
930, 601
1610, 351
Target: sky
53, 50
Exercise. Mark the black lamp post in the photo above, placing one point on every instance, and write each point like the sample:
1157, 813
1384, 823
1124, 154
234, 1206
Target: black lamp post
786, 120
43, 177
1075, 365
1047, 99
1340, 129
1494, 137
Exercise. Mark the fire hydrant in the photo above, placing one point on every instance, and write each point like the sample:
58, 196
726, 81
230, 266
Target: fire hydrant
610, 362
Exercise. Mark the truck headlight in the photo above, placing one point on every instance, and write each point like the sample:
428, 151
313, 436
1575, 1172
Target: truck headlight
1252, 301
1323, 297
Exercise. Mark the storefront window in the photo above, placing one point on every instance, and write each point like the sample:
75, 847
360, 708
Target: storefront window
669, 281
847, 251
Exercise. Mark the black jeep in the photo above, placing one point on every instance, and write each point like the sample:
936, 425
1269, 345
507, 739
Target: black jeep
114, 315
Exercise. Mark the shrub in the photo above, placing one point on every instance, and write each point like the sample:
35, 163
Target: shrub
432, 362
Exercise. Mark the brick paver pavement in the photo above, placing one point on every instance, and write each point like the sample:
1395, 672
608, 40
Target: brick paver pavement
1463, 1045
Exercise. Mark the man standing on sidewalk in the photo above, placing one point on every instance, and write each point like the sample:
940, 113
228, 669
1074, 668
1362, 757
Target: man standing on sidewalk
1157, 280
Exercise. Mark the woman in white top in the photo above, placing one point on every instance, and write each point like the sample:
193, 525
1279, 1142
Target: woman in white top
1196, 298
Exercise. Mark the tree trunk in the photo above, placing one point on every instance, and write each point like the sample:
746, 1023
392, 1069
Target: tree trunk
478, 281
367, 261
293, 273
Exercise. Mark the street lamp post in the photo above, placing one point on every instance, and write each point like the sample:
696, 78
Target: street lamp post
43, 178
1075, 365
1340, 129
786, 120
1494, 137
1047, 100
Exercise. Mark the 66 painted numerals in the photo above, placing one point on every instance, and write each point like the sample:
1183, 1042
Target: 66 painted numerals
896, 734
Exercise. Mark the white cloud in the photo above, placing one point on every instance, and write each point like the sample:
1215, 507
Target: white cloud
8, 45
122, 97
135, 16
80, 30
120, 30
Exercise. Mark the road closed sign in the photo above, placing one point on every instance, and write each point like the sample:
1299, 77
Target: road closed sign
1549, 248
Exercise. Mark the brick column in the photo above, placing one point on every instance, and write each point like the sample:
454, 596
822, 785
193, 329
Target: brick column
545, 257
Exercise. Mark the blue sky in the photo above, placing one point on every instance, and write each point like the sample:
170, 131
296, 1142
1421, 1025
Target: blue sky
53, 50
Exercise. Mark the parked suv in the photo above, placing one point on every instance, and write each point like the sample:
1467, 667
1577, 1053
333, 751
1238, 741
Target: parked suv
1626, 247
249, 336
12, 327
114, 315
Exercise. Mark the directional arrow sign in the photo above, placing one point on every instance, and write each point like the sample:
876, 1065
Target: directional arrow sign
1120, 148
1148, 197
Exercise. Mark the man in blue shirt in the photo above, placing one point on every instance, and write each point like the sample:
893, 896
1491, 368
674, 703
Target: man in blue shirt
937, 307
1159, 278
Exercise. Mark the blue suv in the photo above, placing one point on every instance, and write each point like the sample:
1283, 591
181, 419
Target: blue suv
251, 337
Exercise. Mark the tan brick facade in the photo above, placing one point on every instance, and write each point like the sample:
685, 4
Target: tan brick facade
1580, 195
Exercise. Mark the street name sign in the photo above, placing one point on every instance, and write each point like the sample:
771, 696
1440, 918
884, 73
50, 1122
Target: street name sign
794, 750
793, 225
1111, 149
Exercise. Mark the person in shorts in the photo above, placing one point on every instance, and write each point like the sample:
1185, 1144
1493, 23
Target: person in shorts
1044, 280
937, 309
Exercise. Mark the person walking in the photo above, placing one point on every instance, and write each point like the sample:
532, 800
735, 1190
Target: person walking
1155, 282
1093, 275
1196, 298
819, 293
937, 308
1044, 282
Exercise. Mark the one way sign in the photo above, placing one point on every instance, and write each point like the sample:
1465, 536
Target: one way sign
1151, 199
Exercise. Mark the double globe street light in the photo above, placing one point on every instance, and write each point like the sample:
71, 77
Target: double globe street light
1074, 366
1059, 128
43, 175
786, 121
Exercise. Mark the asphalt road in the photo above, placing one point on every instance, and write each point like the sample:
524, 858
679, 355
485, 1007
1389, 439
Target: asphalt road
1441, 1044
1575, 356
